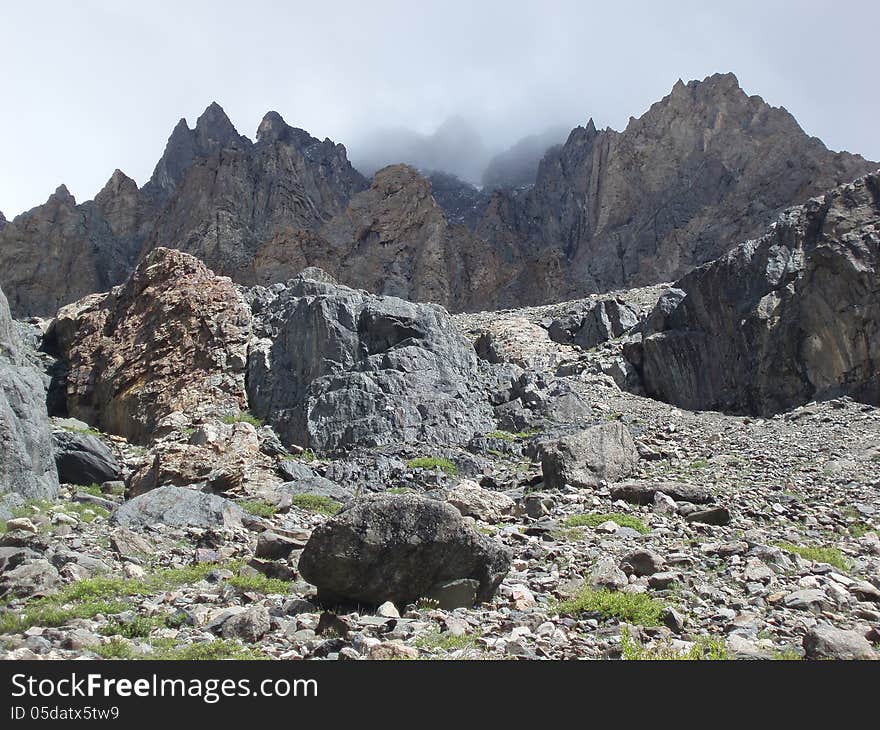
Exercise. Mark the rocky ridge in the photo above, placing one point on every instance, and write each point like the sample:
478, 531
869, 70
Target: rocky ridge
703, 169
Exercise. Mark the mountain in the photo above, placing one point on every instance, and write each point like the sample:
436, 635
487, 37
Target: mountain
702, 170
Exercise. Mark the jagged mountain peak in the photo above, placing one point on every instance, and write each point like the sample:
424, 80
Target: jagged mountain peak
62, 195
215, 129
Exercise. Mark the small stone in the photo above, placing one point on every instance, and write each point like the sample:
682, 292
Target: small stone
808, 600
20, 523
250, 625
388, 610
641, 563
715, 516
392, 650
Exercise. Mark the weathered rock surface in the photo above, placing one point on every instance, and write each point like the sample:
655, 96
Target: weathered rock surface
172, 340
396, 548
27, 466
605, 452
781, 320
177, 507
344, 368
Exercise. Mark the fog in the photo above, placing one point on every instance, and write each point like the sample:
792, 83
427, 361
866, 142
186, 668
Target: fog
97, 84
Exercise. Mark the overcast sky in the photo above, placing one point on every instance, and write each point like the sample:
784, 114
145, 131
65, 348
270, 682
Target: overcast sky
93, 85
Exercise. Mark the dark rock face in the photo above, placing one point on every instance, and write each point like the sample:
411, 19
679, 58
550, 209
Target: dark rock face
397, 548
172, 340
605, 452
177, 507
83, 459
781, 320
27, 466
339, 368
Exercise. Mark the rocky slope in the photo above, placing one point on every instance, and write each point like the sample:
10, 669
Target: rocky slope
578, 520
703, 169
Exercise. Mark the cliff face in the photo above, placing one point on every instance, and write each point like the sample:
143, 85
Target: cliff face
703, 169
781, 320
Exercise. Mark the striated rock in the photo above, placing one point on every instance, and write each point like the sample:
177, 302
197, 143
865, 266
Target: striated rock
790, 317
27, 466
172, 340
177, 507
397, 548
605, 452
344, 368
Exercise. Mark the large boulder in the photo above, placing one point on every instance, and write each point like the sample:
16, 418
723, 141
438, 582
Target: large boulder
791, 317
336, 368
397, 548
177, 507
84, 459
27, 466
171, 340
605, 452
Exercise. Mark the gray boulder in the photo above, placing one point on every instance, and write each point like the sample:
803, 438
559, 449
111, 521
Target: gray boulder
177, 507
791, 317
398, 548
27, 467
605, 452
336, 368
84, 459
828, 642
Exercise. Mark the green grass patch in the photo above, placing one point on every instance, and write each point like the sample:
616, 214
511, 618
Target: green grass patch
171, 649
101, 595
94, 489
258, 508
829, 555
705, 648
399, 490
242, 417
445, 641
260, 584
634, 608
316, 503
433, 462
83, 431
508, 436
597, 518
